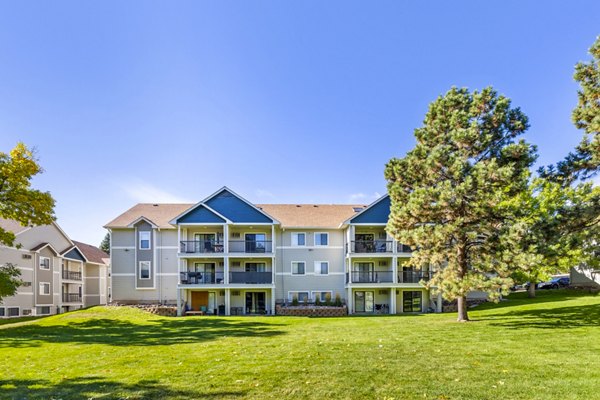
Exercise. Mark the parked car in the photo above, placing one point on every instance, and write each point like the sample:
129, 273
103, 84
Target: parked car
555, 283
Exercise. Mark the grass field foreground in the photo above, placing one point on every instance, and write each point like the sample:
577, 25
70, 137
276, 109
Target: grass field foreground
547, 348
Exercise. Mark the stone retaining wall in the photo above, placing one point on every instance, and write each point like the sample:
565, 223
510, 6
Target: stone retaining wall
311, 311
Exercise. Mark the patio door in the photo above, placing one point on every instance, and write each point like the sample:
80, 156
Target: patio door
364, 301
364, 272
212, 303
364, 242
412, 301
205, 272
256, 303
205, 242
255, 242
199, 301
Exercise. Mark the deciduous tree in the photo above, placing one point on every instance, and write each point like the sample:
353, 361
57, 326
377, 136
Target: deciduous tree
453, 195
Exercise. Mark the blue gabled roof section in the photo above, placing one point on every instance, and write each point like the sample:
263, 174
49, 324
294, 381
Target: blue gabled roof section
74, 254
377, 213
235, 209
200, 214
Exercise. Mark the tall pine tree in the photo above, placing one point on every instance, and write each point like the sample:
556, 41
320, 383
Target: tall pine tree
453, 195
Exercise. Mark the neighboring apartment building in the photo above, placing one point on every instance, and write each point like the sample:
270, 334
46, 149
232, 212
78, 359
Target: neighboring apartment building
225, 255
59, 274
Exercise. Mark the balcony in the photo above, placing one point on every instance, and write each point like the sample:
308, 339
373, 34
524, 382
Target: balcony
371, 246
413, 276
200, 247
71, 298
254, 277
372, 277
202, 278
71, 275
250, 246
402, 248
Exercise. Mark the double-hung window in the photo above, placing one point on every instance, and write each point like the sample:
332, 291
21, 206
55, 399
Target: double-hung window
298, 267
44, 288
44, 263
144, 270
321, 268
144, 240
298, 239
321, 239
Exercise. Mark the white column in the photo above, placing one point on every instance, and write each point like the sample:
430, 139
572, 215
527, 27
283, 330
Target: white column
439, 303
178, 302
395, 269
227, 302
226, 270
226, 238
273, 301
349, 301
179, 237
393, 301
349, 260
273, 238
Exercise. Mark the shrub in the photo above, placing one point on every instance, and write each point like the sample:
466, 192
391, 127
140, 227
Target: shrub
295, 300
328, 299
318, 301
338, 300
306, 301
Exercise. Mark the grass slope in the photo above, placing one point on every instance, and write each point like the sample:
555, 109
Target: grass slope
547, 348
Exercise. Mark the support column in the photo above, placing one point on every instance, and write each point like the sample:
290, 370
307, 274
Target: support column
349, 302
227, 302
226, 238
226, 270
393, 301
178, 302
395, 269
273, 300
438, 306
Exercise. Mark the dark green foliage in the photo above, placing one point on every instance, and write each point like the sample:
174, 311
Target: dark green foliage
105, 244
9, 280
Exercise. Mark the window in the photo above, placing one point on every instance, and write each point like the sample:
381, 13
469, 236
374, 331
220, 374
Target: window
322, 296
301, 296
44, 288
144, 240
43, 310
2, 312
13, 311
298, 239
298, 267
321, 239
144, 270
321, 267
44, 263
26, 284
27, 311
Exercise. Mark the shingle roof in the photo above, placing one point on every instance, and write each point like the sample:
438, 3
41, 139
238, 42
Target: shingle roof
159, 214
310, 215
290, 215
12, 226
92, 253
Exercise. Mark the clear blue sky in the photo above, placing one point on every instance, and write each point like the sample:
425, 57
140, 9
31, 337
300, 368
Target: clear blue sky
281, 101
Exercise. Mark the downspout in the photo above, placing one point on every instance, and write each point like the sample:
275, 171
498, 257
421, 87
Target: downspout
159, 262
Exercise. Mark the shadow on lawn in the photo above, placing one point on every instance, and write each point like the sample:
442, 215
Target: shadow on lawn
96, 387
552, 318
121, 333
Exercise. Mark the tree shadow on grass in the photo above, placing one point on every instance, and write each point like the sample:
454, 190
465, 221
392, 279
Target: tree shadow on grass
549, 318
116, 332
96, 387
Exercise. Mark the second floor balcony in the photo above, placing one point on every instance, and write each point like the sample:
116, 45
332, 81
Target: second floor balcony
71, 298
371, 246
250, 246
71, 275
373, 276
201, 246
218, 278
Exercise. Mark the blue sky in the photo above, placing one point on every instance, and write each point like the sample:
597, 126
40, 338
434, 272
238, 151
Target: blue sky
286, 102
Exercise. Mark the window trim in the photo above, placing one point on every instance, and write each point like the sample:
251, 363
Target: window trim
292, 292
321, 291
315, 239
43, 285
320, 270
42, 313
292, 268
140, 240
7, 314
140, 270
42, 258
295, 235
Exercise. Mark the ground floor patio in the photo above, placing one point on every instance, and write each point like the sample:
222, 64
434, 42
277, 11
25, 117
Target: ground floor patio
391, 300
225, 301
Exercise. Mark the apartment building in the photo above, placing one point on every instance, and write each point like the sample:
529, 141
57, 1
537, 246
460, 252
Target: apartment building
225, 255
59, 274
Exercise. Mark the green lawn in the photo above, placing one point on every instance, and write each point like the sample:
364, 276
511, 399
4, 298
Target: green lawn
548, 348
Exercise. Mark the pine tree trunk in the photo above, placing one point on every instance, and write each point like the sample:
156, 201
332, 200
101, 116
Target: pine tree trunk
531, 290
462, 309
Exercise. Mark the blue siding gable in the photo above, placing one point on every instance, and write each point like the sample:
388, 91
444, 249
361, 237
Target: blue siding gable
237, 210
201, 214
376, 214
74, 254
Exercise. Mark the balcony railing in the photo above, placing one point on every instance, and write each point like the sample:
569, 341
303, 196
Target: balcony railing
71, 298
71, 275
372, 276
202, 278
402, 248
251, 277
201, 246
371, 246
250, 246
413, 276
